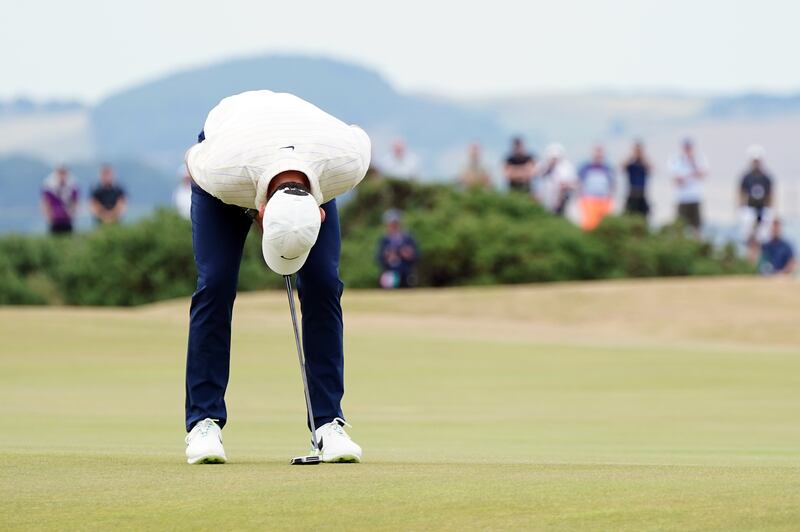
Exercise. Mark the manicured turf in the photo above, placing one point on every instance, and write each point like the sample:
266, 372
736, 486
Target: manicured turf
614, 406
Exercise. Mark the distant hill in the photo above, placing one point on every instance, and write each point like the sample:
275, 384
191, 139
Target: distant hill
146, 128
753, 105
160, 119
26, 106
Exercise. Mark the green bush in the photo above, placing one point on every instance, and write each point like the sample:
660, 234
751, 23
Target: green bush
30, 254
13, 288
129, 265
486, 237
471, 237
253, 273
27, 268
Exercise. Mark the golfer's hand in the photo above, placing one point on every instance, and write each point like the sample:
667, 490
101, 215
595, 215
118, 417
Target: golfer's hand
258, 219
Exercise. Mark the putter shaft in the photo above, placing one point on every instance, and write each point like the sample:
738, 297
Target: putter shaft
301, 357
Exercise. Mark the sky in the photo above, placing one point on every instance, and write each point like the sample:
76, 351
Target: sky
87, 49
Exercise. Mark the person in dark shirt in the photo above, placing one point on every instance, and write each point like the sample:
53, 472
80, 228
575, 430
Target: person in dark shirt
519, 168
397, 253
637, 168
755, 196
777, 255
108, 200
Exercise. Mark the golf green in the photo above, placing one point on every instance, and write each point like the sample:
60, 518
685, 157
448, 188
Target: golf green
615, 406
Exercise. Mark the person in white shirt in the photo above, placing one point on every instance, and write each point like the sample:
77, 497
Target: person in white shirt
400, 162
558, 179
279, 161
689, 169
182, 195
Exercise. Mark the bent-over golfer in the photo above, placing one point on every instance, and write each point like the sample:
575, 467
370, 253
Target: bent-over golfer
280, 160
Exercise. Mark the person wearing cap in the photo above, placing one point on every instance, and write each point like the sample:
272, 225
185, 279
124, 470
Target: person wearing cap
777, 256
755, 199
279, 161
689, 169
397, 253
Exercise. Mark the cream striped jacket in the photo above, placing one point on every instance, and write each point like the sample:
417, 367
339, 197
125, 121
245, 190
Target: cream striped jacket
253, 136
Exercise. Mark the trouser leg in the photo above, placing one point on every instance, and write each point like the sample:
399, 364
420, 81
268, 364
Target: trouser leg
320, 291
218, 235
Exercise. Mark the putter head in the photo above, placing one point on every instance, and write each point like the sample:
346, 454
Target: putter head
306, 460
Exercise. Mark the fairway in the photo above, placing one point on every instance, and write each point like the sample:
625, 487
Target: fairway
670, 404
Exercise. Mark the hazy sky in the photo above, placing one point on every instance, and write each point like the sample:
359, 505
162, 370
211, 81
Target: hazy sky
88, 48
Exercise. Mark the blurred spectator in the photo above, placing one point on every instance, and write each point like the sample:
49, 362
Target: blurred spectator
60, 200
596, 189
108, 200
182, 196
397, 253
475, 174
777, 255
637, 168
755, 199
401, 162
520, 167
689, 169
559, 179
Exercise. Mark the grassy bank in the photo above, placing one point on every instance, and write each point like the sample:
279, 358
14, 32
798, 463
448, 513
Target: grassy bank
621, 405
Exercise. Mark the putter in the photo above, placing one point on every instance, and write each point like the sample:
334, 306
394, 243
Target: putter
311, 459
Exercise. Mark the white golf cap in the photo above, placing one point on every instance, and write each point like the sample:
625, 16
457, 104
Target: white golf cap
756, 152
291, 225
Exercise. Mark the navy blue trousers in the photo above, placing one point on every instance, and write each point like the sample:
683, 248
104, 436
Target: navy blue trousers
218, 235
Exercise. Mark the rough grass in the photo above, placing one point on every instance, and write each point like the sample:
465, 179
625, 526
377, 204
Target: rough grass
616, 406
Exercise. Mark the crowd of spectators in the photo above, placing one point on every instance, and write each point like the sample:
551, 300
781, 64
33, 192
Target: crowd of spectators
107, 200
61, 199
553, 181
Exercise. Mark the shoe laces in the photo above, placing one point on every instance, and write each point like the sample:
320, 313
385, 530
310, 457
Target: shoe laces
337, 424
202, 428
334, 426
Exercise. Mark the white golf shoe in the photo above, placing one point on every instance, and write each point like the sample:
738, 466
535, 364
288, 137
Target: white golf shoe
335, 444
204, 443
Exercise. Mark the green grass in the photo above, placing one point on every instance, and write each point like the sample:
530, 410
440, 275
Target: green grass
612, 406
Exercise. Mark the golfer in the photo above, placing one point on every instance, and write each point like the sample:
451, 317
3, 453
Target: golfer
280, 161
